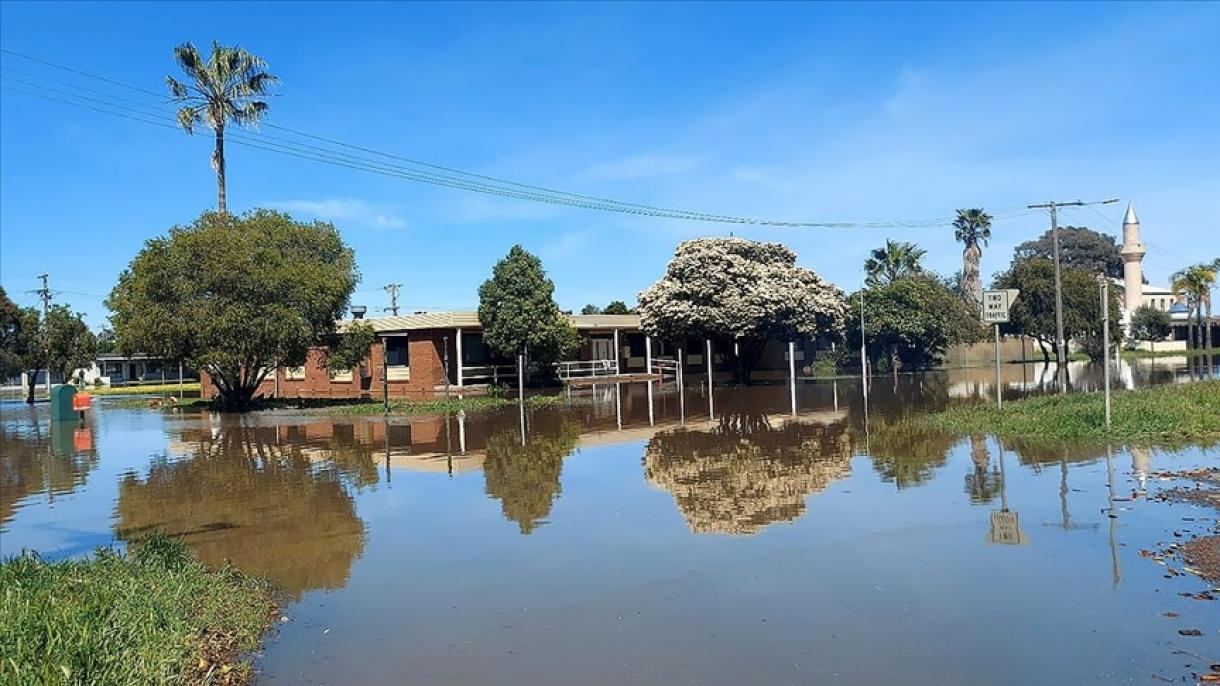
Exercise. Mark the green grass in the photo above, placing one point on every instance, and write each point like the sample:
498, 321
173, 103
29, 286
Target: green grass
440, 406
1177, 414
191, 387
153, 616
1194, 352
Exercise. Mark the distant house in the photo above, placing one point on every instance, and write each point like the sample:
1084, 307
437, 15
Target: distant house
419, 355
120, 370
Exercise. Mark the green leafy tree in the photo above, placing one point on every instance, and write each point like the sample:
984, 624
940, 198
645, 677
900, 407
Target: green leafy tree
1194, 284
1150, 324
11, 355
70, 343
350, 349
590, 309
735, 290
1033, 314
226, 87
617, 307
972, 228
910, 322
1079, 248
518, 313
894, 261
60, 344
234, 296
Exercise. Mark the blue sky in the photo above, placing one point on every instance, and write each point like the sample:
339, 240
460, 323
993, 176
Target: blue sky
803, 111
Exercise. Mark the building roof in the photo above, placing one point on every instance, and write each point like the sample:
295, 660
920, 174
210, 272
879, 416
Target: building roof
467, 319
1178, 308
1130, 218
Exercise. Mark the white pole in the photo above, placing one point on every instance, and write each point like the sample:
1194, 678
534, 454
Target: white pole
277, 381
681, 388
792, 374
618, 405
617, 352
863, 351
1105, 340
650, 416
462, 431
459, 358
521, 377
999, 397
647, 354
711, 406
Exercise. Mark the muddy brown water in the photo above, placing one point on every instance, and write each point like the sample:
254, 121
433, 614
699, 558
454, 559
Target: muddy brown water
643, 537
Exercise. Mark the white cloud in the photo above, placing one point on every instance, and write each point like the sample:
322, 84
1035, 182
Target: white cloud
641, 167
349, 210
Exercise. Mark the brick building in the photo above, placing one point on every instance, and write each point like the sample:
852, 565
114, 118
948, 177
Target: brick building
419, 355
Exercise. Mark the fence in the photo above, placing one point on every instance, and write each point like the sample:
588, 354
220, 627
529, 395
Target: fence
587, 368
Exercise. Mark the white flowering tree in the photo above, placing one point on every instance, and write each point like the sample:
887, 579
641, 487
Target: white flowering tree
735, 290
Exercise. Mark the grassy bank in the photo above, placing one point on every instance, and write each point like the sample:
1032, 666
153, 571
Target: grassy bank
1141, 354
348, 407
1167, 415
154, 616
190, 387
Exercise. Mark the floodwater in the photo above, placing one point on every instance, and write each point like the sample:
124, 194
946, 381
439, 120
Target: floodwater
640, 537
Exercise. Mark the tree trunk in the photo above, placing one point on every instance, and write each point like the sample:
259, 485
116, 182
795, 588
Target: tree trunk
1046, 356
1207, 325
218, 163
972, 284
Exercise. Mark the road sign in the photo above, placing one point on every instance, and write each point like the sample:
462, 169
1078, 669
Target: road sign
997, 303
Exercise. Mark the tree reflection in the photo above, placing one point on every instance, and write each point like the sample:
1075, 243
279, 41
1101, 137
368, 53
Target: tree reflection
746, 474
984, 483
41, 457
525, 478
240, 497
906, 452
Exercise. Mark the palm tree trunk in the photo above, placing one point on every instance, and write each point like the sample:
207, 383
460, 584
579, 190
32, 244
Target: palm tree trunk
1207, 324
971, 281
218, 161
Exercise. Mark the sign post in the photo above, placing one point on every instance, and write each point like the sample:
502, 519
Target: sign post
996, 305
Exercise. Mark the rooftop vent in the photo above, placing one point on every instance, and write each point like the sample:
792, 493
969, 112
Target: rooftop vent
358, 311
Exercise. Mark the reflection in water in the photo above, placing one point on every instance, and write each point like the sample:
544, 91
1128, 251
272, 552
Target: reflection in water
746, 473
241, 496
985, 482
38, 456
525, 478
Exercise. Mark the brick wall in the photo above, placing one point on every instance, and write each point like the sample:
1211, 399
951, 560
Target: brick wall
425, 350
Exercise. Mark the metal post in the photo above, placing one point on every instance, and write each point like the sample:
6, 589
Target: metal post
647, 354
711, 406
385, 376
681, 389
1105, 340
618, 405
999, 395
792, 374
277, 379
650, 415
863, 347
459, 358
521, 377
617, 352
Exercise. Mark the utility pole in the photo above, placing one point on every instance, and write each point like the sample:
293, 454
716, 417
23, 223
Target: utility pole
45, 294
392, 289
1060, 343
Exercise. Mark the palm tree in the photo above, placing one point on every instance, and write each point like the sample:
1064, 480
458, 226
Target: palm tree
1210, 272
972, 227
1193, 283
224, 88
896, 260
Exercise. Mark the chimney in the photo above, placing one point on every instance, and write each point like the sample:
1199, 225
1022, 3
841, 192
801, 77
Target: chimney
358, 311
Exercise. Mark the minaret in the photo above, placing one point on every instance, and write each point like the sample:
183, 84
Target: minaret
1133, 254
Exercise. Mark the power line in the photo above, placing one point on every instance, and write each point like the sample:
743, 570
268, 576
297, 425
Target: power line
419, 171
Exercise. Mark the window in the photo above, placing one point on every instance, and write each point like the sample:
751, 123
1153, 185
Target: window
396, 354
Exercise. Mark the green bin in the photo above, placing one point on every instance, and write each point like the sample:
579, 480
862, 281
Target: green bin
61, 402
